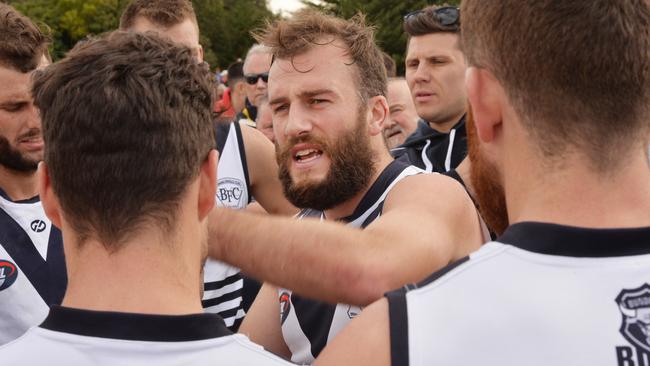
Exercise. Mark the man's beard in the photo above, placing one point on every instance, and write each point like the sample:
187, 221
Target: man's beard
485, 180
13, 159
350, 170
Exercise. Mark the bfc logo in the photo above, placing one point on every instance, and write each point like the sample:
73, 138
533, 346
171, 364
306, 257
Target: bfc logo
8, 274
230, 193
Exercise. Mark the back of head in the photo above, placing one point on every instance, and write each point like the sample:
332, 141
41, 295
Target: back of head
165, 13
308, 28
127, 124
22, 44
235, 73
576, 72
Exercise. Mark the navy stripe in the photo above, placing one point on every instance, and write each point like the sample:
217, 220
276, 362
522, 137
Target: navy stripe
552, 239
242, 154
221, 130
215, 285
235, 326
399, 334
4, 195
387, 176
135, 327
315, 319
374, 215
47, 279
228, 313
439, 273
223, 298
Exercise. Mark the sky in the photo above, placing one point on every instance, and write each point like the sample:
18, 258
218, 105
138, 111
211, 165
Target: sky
284, 6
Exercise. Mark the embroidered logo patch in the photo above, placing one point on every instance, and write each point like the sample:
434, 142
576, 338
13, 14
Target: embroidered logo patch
230, 192
38, 226
8, 274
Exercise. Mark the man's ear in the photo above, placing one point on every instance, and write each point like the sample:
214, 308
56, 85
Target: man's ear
486, 97
208, 184
48, 199
378, 113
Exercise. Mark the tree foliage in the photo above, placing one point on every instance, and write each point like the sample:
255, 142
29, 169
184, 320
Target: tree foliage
224, 24
386, 16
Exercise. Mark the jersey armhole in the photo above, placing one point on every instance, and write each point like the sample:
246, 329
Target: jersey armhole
398, 321
244, 162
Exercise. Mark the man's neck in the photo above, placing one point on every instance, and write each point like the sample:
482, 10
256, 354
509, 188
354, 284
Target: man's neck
446, 126
347, 208
18, 185
148, 275
577, 196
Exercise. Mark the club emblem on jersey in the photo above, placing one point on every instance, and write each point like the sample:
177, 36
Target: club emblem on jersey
230, 192
635, 306
8, 274
285, 306
38, 226
353, 311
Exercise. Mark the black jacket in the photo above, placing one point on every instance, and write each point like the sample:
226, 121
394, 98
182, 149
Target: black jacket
429, 149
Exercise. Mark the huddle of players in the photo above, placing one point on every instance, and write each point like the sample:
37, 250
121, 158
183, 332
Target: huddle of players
565, 149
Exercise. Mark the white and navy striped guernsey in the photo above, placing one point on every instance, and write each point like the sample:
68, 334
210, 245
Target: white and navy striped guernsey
308, 325
543, 294
32, 266
223, 283
82, 337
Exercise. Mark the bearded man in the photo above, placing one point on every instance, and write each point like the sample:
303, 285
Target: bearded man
32, 267
368, 223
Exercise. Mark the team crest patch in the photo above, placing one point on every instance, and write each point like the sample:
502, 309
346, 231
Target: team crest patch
635, 306
230, 192
285, 306
8, 274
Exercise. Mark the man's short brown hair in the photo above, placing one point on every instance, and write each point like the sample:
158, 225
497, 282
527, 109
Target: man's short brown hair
126, 124
576, 72
22, 44
306, 29
424, 21
166, 13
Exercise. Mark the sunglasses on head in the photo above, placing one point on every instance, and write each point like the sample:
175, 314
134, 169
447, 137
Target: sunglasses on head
252, 78
447, 16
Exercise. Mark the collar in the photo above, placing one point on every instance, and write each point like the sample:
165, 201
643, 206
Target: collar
135, 327
424, 132
570, 241
4, 195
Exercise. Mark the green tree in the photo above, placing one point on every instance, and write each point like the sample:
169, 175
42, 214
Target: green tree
387, 17
225, 24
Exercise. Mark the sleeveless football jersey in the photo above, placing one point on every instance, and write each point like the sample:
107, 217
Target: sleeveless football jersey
542, 294
223, 283
32, 266
308, 325
82, 337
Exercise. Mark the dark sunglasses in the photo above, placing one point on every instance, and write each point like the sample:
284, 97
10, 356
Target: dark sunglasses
447, 16
252, 78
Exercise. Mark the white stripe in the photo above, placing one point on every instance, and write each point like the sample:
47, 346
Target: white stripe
295, 338
411, 170
427, 163
452, 136
227, 305
230, 321
207, 295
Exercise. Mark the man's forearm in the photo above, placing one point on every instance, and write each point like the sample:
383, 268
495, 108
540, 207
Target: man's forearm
326, 262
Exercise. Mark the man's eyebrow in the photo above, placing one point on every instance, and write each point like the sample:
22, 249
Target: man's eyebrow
303, 95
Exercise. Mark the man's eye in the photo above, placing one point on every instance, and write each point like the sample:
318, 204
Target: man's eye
317, 101
14, 107
280, 108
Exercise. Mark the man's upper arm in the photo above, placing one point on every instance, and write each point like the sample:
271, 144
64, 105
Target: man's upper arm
263, 173
428, 221
365, 341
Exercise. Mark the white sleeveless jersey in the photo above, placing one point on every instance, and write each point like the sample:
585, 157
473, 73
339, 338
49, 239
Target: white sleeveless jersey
74, 337
541, 295
32, 266
308, 325
223, 283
